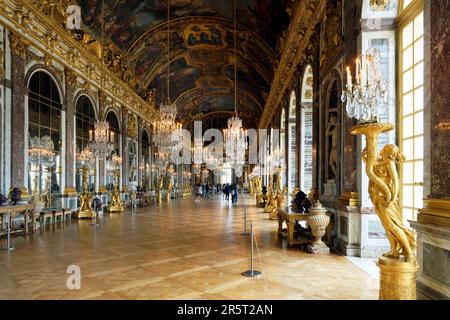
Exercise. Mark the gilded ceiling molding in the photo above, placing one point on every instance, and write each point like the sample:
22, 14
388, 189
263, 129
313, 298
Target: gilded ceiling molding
308, 14
40, 23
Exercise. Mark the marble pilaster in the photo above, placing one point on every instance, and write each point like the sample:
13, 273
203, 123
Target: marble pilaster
433, 221
19, 93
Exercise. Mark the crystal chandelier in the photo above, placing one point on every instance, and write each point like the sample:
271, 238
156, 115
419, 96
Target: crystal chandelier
41, 154
85, 157
368, 95
166, 124
235, 135
101, 138
115, 162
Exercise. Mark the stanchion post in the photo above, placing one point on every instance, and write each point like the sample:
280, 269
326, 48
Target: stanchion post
245, 233
251, 273
8, 234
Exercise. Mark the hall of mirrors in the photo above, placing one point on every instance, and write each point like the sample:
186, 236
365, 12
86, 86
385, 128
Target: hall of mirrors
163, 128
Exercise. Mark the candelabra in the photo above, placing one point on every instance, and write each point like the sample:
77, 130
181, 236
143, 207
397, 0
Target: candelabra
398, 267
116, 204
368, 95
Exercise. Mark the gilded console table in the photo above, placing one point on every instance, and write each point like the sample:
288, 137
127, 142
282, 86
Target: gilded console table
28, 211
290, 217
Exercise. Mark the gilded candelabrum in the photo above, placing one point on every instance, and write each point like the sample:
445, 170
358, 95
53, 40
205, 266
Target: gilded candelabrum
398, 267
279, 198
160, 188
169, 187
116, 203
258, 191
270, 203
251, 187
85, 211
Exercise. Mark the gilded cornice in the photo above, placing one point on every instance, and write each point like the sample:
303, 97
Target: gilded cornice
32, 26
308, 14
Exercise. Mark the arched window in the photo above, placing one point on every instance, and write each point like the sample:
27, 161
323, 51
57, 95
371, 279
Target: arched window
85, 121
292, 142
411, 121
85, 118
306, 131
44, 129
145, 159
283, 143
114, 126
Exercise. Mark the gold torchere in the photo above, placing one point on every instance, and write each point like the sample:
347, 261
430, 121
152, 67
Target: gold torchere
258, 191
169, 188
116, 203
398, 267
251, 188
279, 198
85, 211
160, 189
270, 196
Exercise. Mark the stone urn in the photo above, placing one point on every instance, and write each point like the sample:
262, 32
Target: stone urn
318, 220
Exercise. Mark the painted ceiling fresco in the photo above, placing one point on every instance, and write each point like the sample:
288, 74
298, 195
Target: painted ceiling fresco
126, 20
202, 56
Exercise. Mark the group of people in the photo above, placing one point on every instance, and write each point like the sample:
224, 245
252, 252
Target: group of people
232, 190
202, 191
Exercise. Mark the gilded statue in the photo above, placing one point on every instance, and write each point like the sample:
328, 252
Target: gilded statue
333, 131
258, 190
383, 190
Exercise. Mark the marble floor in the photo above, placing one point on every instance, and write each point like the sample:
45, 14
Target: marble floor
184, 250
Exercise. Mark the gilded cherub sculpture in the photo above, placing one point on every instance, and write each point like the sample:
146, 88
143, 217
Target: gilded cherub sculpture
383, 190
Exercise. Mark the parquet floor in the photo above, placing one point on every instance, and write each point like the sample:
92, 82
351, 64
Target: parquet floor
184, 250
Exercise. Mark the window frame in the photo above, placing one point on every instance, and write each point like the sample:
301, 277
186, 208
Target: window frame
405, 17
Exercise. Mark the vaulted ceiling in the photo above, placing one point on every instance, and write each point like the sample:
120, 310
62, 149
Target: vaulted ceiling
202, 55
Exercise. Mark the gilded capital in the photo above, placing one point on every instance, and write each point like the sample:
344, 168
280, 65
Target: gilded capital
19, 46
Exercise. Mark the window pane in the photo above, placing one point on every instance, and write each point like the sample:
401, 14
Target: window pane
406, 3
418, 26
408, 103
418, 51
407, 196
418, 123
408, 127
408, 35
408, 172
408, 58
418, 197
418, 148
408, 81
418, 75
418, 171
408, 149
408, 214
45, 116
418, 99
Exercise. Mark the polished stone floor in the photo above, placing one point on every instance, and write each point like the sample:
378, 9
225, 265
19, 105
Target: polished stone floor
184, 250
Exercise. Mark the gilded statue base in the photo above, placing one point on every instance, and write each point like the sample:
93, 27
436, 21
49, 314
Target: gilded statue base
114, 209
84, 214
397, 279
